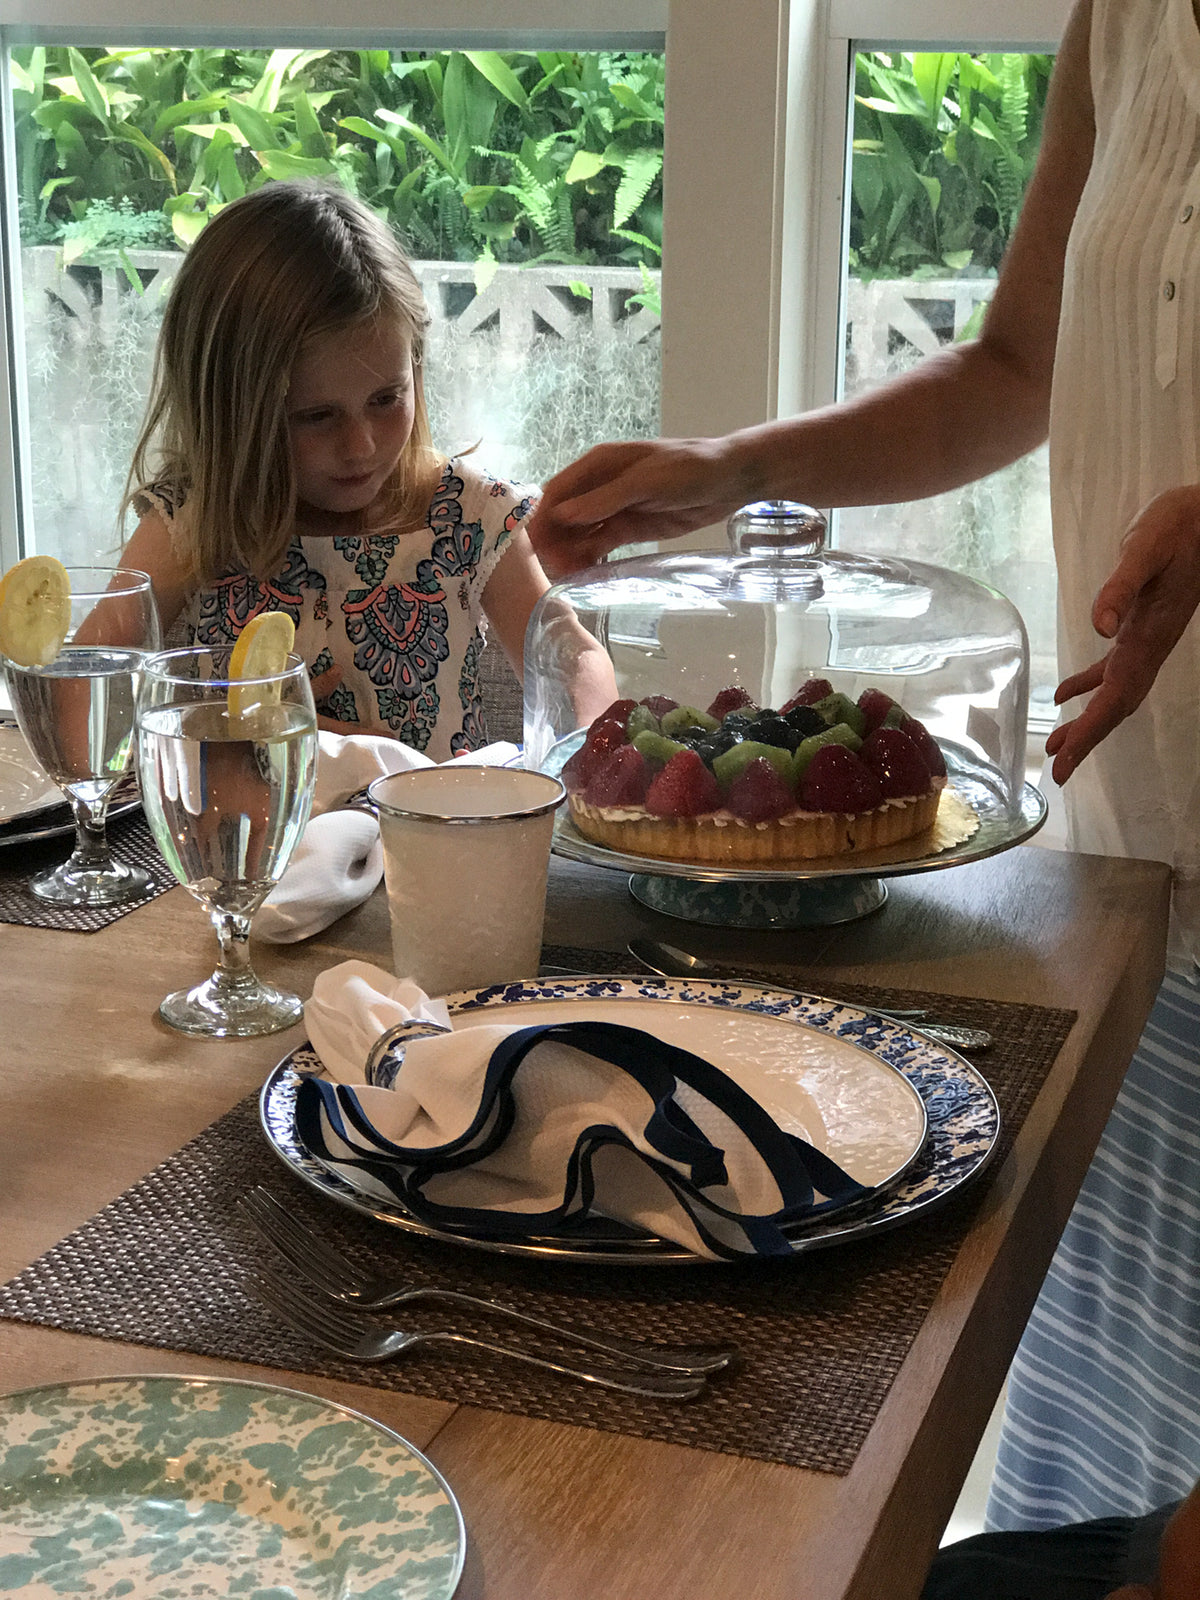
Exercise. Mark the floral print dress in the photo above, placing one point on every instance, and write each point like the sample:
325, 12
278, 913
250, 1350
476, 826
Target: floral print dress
401, 614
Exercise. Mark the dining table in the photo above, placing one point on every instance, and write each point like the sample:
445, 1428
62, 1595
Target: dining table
95, 1092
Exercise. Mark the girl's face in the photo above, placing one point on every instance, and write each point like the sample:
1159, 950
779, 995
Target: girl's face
350, 413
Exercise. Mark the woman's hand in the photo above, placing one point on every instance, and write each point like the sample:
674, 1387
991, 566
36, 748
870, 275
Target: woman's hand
635, 493
1144, 607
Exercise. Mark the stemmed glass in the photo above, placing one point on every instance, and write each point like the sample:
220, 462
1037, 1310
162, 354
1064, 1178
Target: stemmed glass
227, 769
77, 717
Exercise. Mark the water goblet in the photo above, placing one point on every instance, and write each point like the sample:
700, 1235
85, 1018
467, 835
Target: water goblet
76, 715
227, 768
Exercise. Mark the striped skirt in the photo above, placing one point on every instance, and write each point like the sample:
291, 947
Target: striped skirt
1103, 1409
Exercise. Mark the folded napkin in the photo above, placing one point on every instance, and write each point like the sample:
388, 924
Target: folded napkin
339, 860
510, 1130
336, 865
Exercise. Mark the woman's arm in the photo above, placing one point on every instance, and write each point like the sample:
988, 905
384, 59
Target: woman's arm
956, 416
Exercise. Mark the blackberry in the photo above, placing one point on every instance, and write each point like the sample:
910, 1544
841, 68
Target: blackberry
805, 720
775, 730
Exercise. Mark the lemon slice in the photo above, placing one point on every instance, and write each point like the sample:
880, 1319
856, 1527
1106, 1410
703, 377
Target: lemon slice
262, 649
35, 611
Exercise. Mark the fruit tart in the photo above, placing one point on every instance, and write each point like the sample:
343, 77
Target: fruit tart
742, 784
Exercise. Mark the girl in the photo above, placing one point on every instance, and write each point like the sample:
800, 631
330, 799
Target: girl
286, 464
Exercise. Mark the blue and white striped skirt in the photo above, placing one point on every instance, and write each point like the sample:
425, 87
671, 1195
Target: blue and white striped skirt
1103, 1410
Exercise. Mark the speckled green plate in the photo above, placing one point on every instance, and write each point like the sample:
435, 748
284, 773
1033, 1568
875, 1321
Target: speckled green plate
178, 1488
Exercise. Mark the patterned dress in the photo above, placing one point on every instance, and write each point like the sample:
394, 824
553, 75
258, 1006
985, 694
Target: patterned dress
1103, 1413
399, 613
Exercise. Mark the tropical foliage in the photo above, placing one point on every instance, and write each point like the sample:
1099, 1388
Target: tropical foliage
944, 144
473, 155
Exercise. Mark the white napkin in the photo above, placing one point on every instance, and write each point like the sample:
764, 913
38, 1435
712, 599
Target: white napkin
515, 1130
339, 860
336, 865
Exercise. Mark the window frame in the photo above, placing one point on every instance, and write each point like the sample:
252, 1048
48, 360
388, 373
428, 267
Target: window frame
758, 108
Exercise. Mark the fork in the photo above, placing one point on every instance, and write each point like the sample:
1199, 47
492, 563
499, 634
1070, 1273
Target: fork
349, 1336
338, 1278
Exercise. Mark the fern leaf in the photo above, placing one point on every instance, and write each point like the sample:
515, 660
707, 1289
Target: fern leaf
638, 172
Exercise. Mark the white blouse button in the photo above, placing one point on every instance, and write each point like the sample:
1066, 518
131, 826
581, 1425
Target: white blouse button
1168, 290
1187, 213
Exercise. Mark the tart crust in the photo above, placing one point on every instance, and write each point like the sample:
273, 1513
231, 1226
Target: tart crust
719, 837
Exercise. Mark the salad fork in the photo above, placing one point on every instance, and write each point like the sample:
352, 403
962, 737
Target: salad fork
349, 1336
328, 1271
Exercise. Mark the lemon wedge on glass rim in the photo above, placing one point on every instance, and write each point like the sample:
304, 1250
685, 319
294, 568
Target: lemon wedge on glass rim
35, 611
261, 651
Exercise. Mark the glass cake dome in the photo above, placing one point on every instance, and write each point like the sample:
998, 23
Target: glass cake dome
776, 611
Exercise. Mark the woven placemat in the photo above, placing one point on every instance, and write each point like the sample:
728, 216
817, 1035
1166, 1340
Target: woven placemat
823, 1336
130, 839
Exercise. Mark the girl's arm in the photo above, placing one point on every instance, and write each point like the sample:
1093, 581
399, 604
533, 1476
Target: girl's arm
514, 588
150, 551
956, 416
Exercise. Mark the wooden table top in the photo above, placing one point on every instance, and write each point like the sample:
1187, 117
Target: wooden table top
95, 1091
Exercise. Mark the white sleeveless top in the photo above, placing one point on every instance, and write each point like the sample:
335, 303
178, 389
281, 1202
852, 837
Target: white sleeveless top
1125, 422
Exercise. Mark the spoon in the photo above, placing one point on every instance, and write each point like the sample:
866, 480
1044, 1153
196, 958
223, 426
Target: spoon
671, 962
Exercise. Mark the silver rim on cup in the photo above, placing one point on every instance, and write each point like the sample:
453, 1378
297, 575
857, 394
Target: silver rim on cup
386, 808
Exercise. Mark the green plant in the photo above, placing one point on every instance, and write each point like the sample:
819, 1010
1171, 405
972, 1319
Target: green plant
944, 144
487, 156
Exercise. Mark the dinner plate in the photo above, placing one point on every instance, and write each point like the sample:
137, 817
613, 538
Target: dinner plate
202, 1486
25, 789
860, 1069
29, 814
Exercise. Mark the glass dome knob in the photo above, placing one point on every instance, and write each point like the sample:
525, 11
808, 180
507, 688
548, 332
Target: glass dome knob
777, 528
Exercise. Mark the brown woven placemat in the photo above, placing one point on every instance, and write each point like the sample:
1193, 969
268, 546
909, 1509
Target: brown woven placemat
130, 839
823, 1336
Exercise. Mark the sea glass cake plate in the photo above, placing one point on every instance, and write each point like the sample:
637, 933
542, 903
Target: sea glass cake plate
822, 892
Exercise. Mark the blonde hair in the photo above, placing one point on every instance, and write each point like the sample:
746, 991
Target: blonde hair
279, 267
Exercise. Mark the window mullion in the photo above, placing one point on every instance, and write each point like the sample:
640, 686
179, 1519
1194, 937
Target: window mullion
15, 517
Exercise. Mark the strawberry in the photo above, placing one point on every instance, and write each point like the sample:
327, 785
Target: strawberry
760, 794
874, 705
808, 694
731, 698
617, 712
897, 763
926, 744
605, 736
578, 772
659, 704
684, 788
622, 780
836, 780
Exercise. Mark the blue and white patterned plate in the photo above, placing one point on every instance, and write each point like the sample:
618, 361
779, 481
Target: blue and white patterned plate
176, 1487
857, 1051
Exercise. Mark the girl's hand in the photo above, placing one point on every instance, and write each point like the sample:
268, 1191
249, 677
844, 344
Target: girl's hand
323, 686
1144, 608
634, 493
325, 683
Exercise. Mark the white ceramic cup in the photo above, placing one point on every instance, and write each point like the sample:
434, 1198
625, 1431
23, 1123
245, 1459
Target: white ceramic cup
466, 851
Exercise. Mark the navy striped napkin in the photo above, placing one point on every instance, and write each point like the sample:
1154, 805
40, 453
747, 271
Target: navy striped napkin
510, 1131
